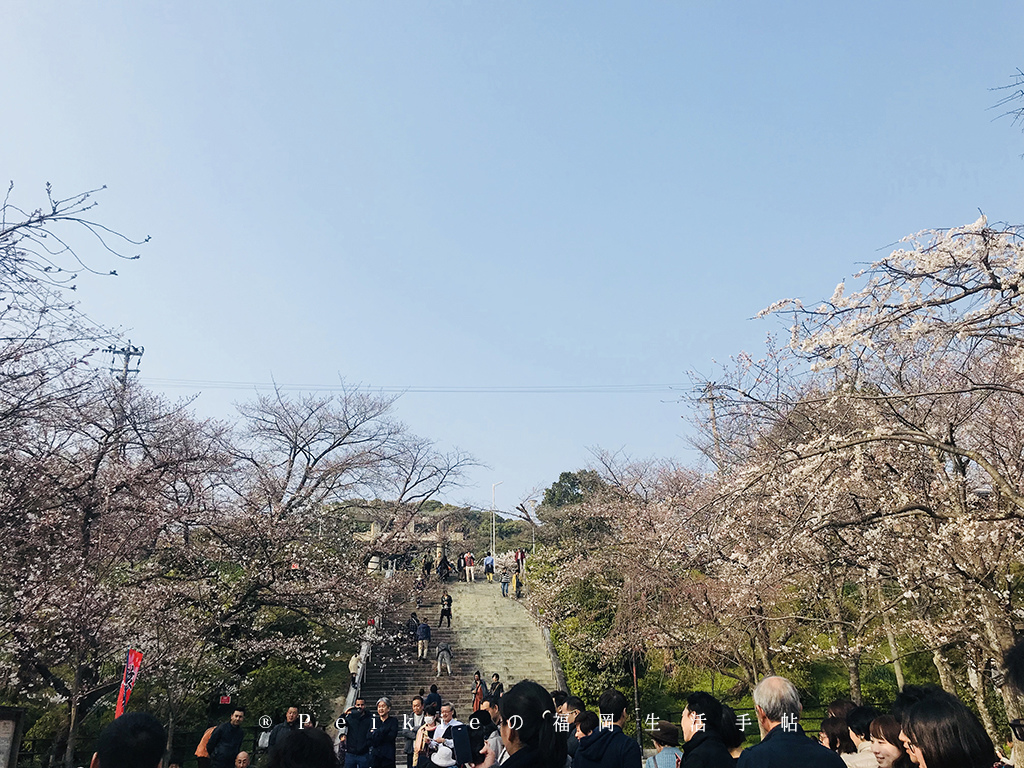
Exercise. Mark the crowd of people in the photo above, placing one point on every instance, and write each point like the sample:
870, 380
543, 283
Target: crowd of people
926, 726
528, 726
464, 569
418, 627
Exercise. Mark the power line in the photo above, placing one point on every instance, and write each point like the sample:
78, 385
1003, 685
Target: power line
546, 389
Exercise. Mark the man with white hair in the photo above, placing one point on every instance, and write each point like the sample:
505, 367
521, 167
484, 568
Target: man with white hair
783, 742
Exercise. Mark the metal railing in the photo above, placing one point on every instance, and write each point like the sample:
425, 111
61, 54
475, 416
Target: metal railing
366, 648
557, 673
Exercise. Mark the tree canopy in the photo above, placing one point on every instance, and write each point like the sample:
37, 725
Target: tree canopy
572, 488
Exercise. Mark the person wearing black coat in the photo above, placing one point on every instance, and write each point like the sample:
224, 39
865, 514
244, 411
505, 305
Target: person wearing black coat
609, 747
572, 708
226, 741
783, 742
291, 722
792, 749
528, 728
357, 740
433, 699
481, 726
704, 748
383, 735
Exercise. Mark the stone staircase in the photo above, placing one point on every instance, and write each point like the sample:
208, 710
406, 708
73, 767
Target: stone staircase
489, 634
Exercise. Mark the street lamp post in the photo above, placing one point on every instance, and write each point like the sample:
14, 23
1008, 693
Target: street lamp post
493, 515
533, 524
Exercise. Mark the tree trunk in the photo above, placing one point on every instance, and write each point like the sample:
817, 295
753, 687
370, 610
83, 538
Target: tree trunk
1000, 639
748, 665
897, 665
762, 651
755, 673
851, 657
945, 671
170, 724
977, 684
853, 667
69, 753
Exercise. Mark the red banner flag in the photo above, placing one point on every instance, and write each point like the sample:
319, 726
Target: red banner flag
131, 674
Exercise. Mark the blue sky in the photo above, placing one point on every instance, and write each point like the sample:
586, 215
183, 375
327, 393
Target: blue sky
472, 195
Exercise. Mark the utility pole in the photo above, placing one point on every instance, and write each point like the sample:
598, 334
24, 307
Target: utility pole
126, 352
709, 397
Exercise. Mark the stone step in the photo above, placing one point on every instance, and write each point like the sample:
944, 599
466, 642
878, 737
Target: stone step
488, 634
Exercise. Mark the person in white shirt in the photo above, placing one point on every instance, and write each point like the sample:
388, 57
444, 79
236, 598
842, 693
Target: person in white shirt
444, 756
859, 722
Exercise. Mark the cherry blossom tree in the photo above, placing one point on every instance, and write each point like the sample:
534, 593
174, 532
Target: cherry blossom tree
918, 368
101, 491
127, 522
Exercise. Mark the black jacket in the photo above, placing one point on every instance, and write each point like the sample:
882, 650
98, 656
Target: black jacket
526, 757
281, 730
789, 749
480, 727
224, 745
607, 748
572, 743
359, 722
382, 742
706, 750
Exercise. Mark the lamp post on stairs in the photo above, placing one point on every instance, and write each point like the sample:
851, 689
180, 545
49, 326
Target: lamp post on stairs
493, 525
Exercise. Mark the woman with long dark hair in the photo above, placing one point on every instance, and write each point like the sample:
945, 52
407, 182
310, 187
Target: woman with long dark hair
479, 691
885, 743
940, 732
528, 728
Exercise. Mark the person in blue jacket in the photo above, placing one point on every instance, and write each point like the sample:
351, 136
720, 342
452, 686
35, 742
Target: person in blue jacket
422, 639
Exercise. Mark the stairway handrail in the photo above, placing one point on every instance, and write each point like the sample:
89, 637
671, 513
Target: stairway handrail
365, 649
556, 663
